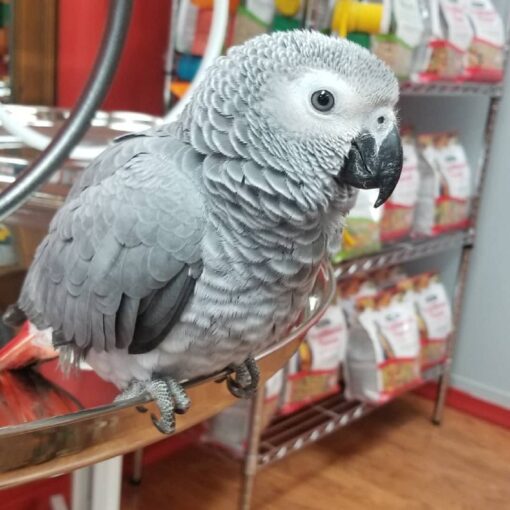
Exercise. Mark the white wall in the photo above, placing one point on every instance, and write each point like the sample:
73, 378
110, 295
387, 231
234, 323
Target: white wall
482, 360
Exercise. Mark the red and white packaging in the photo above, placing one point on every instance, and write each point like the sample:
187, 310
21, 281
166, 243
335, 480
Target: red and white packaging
432, 56
383, 352
434, 318
314, 370
458, 35
444, 195
398, 212
485, 59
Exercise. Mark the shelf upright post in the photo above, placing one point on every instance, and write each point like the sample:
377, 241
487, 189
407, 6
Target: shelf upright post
251, 457
444, 380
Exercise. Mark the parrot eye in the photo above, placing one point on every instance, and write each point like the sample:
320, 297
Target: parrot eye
323, 100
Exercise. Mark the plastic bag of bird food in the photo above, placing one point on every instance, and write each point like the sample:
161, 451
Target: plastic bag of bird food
353, 288
383, 352
486, 52
229, 429
362, 231
432, 55
434, 316
445, 185
315, 371
398, 212
398, 48
458, 37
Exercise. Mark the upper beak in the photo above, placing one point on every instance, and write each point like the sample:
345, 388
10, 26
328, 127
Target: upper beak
369, 167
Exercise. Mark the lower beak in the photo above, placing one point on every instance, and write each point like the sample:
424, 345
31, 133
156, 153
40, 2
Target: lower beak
368, 167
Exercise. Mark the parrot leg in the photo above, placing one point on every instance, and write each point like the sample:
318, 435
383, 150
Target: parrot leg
246, 380
169, 395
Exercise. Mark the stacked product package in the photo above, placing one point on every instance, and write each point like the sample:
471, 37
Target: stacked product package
314, 370
429, 40
445, 191
399, 210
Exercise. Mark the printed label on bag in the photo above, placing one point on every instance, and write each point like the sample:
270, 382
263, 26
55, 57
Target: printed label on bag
435, 20
434, 309
486, 21
409, 22
459, 32
328, 339
406, 191
398, 331
455, 170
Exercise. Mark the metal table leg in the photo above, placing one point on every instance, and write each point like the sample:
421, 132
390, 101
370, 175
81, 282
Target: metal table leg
136, 475
81, 483
251, 459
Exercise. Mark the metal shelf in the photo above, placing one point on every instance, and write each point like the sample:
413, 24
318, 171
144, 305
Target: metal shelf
443, 88
404, 252
291, 433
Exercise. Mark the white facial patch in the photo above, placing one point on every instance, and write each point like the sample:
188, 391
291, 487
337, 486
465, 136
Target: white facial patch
379, 123
289, 102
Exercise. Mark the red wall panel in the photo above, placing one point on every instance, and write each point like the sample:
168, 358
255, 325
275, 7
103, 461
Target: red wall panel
138, 83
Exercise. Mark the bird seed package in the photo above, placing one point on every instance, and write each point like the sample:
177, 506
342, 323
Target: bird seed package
229, 429
445, 185
362, 232
398, 212
486, 52
434, 315
432, 58
458, 36
352, 289
383, 352
314, 370
398, 48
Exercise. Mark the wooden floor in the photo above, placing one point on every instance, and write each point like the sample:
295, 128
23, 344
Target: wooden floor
394, 459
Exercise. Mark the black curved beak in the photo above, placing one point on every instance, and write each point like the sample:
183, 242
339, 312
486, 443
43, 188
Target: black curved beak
368, 167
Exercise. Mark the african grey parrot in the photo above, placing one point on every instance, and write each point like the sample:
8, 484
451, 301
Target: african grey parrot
189, 247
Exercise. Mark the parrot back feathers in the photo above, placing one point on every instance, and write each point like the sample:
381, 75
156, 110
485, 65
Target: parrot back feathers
122, 256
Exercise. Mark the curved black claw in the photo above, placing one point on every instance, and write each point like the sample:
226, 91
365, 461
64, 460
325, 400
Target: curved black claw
246, 380
169, 396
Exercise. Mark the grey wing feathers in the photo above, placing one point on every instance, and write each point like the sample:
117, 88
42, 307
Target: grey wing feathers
122, 255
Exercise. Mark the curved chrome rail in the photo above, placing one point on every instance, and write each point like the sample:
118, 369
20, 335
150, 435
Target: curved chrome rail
71, 132
57, 445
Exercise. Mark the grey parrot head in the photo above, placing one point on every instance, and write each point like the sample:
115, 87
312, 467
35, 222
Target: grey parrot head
318, 108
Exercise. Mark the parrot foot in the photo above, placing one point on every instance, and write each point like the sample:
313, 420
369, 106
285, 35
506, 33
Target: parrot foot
169, 395
246, 380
